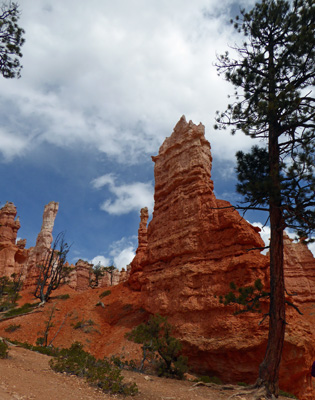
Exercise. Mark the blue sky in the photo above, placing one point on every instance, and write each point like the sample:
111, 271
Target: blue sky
103, 83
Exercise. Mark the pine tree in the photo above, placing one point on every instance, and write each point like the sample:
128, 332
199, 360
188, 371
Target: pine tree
11, 40
273, 74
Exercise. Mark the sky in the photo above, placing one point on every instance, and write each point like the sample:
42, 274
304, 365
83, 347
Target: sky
103, 84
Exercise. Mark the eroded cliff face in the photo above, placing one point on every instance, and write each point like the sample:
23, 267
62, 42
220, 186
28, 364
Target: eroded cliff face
82, 277
299, 271
196, 245
12, 254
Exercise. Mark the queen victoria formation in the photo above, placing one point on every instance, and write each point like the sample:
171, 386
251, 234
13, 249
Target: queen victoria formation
187, 255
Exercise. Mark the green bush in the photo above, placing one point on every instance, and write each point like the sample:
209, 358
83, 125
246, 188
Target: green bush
209, 379
3, 349
27, 307
85, 325
49, 351
121, 363
12, 328
9, 291
286, 394
63, 296
159, 346
100, 373
105, 293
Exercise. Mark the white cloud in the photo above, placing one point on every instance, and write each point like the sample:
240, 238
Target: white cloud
120, 254
311, 246
128, 197
103, 261
265, 235
103, 180
123, 251
119, 76
12, 144
124, 258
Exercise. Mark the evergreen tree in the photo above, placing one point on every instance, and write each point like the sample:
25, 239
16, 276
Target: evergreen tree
273, 74
11, 40
156, 339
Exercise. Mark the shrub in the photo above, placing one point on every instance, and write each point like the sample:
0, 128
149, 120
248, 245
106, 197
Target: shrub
3, 349
12, 328
209, 379
9, 291
63, 296
105, 293
50, 351
216, 380
121, 363
286, 394
86, 326
100, 373
27, 307
159, 345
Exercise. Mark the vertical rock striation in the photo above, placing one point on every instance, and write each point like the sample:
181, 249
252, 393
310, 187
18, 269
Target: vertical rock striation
44, 240
299, 271
196, 245
12, 254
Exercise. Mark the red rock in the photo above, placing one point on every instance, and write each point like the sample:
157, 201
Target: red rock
141, 253
82, 277
124, 274
299, 270
12, 255
9, 225
44, 240
196, 245
82, 272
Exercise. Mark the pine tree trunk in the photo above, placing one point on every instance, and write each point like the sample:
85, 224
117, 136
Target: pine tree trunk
269, 369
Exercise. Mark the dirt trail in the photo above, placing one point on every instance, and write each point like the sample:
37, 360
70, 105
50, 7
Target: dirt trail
26, 375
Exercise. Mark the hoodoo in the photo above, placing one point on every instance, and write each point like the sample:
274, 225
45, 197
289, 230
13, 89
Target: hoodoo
195, 246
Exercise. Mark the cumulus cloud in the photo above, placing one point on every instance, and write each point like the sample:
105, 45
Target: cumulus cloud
123, 251
265, 235
119, 76
104, 261
124, 258
120, 254
12, 144
127, 197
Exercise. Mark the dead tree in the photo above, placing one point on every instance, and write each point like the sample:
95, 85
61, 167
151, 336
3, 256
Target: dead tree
53, 271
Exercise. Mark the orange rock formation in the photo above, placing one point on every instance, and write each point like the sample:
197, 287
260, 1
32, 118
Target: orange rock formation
14, 258
195, 246
12, 255
44, 240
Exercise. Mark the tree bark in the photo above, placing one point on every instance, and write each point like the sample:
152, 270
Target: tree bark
269, 369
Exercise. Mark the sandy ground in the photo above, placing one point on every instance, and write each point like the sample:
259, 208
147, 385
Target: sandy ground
26, 375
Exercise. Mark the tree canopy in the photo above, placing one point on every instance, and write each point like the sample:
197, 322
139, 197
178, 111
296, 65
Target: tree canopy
273, 73
11, 40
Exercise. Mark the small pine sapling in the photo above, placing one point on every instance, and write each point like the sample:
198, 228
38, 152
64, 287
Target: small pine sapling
159, 345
